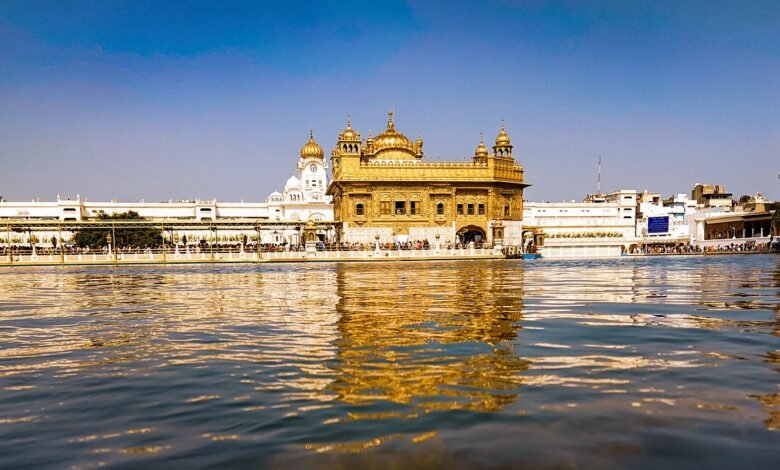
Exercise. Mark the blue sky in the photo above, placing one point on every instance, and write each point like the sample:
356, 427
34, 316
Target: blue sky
141, 99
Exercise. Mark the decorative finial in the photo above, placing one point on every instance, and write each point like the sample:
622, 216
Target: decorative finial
311, 134
481, 139
390, 124
349, 122
502, 124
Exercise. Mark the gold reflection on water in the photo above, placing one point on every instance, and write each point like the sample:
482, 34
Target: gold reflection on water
440, 339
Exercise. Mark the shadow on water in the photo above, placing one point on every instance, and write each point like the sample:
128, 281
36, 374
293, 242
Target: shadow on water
640, 362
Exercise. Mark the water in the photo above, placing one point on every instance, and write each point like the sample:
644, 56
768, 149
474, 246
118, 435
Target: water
627, 362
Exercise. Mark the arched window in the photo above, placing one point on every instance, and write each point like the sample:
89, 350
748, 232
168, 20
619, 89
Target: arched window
440, 209
359, 209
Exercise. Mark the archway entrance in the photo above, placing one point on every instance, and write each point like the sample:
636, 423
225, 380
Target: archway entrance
471, 233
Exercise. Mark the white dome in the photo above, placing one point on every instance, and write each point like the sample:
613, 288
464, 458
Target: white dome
275, 196
292, 184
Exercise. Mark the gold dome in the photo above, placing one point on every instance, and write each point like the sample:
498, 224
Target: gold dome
481, 150
502, 138
392, 139
312, 149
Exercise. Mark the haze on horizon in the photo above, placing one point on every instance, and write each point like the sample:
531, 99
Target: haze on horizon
135, 99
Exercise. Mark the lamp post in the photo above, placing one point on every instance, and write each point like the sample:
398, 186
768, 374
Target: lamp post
109, 241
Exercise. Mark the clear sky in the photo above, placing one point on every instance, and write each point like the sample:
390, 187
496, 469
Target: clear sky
213, 99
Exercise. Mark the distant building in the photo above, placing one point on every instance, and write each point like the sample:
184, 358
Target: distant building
665, 221
711, 195
734, 227
755, 203
646, 197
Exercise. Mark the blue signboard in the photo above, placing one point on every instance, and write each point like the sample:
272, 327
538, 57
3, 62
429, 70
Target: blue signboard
658, 224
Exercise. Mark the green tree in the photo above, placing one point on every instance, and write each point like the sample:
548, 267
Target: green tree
139, 237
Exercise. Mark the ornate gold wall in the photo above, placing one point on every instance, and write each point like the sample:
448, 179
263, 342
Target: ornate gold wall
384, 183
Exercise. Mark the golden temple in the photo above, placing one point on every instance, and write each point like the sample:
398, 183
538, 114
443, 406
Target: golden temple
382, 189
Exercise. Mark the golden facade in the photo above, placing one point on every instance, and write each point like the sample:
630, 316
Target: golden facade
382, 187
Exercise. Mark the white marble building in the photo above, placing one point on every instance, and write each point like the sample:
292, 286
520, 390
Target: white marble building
303, 199
601, 226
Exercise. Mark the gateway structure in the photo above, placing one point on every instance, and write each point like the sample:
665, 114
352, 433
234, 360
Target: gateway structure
383, 190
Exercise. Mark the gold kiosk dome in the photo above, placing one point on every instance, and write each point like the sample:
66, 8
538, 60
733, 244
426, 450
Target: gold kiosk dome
481, 151
503, 147
349, 133
312, 149
502, 139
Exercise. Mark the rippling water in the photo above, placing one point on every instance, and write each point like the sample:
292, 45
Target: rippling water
628, 362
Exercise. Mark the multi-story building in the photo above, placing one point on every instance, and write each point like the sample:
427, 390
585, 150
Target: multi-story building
602, 225
382, 189
665, 222
750, 222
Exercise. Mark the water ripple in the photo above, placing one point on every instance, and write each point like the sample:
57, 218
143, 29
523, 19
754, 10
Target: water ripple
640, 362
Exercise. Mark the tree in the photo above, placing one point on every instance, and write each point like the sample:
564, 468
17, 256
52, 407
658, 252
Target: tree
139, 237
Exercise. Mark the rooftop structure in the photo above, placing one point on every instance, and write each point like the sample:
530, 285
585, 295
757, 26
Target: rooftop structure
711, 195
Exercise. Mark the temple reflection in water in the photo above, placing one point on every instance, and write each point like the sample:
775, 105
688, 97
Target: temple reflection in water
429, 339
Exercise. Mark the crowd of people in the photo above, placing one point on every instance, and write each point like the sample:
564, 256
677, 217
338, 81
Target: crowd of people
669, 249
739, 247
231, 247
687, 249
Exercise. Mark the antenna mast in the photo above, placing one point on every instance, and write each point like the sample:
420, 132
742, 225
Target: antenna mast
598, 180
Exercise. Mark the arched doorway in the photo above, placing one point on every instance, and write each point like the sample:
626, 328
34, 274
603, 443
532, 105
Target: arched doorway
471, 233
